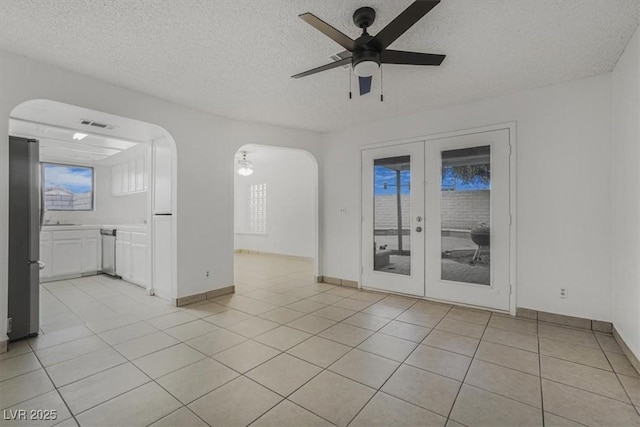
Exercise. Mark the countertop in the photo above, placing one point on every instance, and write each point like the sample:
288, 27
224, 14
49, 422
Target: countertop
68, 227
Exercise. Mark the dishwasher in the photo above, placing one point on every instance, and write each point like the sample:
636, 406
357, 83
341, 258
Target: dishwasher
109, 251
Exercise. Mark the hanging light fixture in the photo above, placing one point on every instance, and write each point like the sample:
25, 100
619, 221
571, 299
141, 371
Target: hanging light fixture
245, 168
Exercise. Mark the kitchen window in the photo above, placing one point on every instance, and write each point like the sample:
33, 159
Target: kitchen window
67, 187
257, 208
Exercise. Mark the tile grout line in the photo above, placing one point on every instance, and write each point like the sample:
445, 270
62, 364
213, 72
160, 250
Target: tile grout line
323, 369
398, 367
56, 389
540, 373
303, 314
462, 383
593, 367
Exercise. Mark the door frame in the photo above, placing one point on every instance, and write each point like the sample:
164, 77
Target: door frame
511, 128
416, 277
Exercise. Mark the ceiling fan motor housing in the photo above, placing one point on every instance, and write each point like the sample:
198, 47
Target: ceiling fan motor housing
365, 54
364, 17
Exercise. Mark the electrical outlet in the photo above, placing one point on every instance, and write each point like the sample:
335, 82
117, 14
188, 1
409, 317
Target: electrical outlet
207, 274
563, 293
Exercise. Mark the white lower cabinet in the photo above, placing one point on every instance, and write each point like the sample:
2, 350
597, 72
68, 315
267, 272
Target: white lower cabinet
131, 256
123, 245
91, 252
74, 253
70, 253
45, 255
162, 258
67, 257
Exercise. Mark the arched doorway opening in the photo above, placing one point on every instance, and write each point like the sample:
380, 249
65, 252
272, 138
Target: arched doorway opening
100, 172
275, 217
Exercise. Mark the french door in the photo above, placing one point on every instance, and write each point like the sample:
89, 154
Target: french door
436, 219
393, 244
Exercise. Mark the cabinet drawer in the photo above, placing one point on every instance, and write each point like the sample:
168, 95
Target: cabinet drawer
67, 235
138, 238
90, 234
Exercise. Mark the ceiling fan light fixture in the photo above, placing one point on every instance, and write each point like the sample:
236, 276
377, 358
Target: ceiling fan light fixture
366, 68
245, 168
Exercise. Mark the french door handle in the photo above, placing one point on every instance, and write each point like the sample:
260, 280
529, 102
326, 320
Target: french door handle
418, 229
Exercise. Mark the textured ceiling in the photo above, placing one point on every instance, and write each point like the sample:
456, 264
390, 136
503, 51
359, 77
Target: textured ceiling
235, 58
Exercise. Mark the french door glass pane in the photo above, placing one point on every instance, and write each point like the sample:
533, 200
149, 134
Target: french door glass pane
392, 215
466, 215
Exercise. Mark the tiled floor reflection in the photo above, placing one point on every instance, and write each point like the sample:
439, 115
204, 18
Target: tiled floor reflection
285, 351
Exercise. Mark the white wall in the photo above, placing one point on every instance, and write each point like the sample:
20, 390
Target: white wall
205, 148
292, 178
109, 209
626, 195
563, 189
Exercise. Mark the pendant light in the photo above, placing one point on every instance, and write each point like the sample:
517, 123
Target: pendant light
245, 168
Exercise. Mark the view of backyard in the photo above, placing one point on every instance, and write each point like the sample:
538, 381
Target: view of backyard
67, 187
465, 211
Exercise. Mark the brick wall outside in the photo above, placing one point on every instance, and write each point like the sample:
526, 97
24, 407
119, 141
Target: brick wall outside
79, 201
460, 210
464, 210
386, 212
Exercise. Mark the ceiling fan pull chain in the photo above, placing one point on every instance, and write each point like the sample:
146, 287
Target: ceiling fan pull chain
381, 94
350, 80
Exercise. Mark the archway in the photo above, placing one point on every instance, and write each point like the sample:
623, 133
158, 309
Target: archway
133, 166
276, 213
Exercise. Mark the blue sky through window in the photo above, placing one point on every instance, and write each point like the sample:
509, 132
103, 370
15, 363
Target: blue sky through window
76, 179
384, 175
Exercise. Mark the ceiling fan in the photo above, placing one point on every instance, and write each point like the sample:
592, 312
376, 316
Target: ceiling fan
366, 53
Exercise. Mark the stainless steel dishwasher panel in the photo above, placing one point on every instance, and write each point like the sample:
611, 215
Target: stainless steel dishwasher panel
109, 251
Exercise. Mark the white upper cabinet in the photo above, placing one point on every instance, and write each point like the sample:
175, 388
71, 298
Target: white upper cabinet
130, 177
140, 172
125, 178
116, 180
161, 177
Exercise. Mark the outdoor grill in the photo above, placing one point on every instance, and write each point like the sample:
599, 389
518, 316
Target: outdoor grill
481, 236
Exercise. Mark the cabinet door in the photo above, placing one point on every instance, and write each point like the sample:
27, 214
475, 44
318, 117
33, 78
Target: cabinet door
132, 176
91, 255
45, 257
67, 257
119, 258
139, 264
162, 259
127, 260
161, 177
116, 180
145, 175
124, 173
140, 174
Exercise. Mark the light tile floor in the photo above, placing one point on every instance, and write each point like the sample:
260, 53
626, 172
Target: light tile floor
284, 351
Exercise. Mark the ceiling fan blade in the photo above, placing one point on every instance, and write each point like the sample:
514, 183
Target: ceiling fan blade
336, 64
403, 22
365, 85
410, 58
326, 29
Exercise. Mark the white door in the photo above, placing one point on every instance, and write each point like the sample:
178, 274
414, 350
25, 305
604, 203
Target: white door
91, 254
66, 257
436, 219
392, 218
468, 219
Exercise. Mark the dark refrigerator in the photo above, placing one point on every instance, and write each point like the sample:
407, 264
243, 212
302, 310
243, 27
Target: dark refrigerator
24, 237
